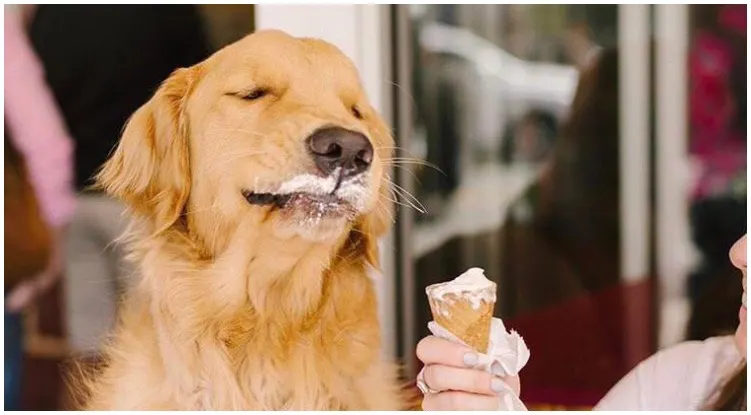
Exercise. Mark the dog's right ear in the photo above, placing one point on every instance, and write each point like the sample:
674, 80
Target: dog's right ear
150, 169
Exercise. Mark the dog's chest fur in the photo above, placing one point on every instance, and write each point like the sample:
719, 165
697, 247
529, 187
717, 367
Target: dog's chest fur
304, 368
195, 342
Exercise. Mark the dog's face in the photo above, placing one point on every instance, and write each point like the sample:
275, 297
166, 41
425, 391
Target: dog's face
272, 129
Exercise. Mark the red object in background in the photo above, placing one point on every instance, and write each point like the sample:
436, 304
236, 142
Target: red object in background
733, 17
581, 348
718, 144
712, 107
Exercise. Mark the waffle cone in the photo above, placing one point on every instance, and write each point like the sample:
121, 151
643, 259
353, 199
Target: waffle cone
465, 320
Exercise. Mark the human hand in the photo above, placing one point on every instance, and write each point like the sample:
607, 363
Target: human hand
26, 292
452, 382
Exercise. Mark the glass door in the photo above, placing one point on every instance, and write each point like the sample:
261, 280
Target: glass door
534, 125
592, 159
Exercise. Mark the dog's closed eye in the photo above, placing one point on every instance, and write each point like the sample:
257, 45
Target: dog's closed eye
356, 112
256, 93
251, 95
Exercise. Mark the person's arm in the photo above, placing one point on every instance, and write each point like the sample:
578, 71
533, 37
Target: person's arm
38, 129
40, 135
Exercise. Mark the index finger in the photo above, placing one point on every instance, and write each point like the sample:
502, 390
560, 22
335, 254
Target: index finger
435, 350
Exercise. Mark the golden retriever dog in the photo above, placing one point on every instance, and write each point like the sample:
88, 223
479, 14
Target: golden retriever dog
258, 187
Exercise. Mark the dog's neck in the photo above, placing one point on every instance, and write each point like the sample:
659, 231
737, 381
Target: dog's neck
269, 278
286, 277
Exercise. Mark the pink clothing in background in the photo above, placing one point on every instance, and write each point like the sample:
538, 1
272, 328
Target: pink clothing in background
36, 126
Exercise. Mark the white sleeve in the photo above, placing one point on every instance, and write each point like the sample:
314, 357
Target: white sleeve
678, 378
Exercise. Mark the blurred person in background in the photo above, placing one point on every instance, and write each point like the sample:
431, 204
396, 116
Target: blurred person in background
559, 255
695, 375
102, 62
571, 224
39, 196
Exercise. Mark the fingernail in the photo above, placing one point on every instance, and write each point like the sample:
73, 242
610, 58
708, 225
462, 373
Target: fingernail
470, 359
498, 385
497, 369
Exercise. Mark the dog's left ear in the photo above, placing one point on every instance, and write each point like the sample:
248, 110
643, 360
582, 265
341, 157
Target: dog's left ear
150, 169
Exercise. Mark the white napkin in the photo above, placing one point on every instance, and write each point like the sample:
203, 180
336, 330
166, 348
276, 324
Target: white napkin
508, 349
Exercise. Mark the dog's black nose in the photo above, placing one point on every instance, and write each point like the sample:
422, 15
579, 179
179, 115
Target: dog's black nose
336, 147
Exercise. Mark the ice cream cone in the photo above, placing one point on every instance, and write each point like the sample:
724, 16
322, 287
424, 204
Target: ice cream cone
464, 307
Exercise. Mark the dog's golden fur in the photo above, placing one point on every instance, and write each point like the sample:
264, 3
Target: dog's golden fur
235, 306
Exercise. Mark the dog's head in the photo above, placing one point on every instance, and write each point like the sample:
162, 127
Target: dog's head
270, 130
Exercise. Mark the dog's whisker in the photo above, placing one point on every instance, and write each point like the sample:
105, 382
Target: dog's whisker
408, 197
406, 205
401, 189
400, 148
409, 171
400, 151
408, 161
403, 91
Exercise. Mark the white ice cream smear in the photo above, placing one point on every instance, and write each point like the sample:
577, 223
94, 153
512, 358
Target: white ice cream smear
309, 183
472, 285
351, 190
